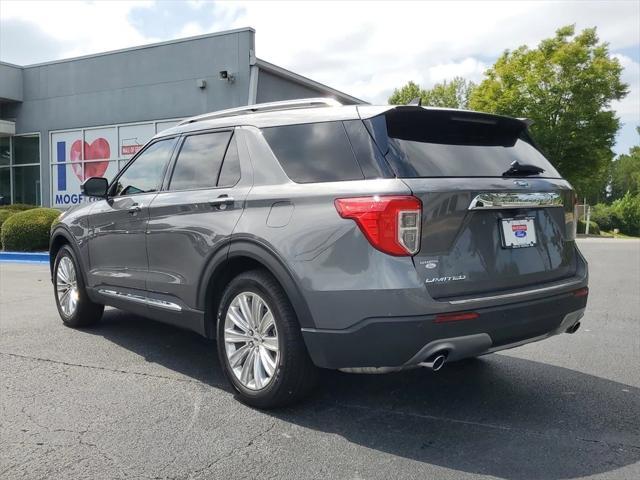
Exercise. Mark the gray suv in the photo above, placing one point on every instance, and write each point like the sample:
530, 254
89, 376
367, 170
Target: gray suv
308, 234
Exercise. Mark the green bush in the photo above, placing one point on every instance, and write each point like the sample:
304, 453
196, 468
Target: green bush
18, 207
593, 227
606, 217
4, 214
28, 230
628, 207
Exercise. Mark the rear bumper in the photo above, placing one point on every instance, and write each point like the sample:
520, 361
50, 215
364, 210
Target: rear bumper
392, 343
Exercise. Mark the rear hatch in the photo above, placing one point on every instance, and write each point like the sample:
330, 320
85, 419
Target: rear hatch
488, 224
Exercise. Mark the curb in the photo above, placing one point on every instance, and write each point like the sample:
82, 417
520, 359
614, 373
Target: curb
24, 257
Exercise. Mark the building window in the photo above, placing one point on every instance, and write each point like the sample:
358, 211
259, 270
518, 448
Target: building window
20, 169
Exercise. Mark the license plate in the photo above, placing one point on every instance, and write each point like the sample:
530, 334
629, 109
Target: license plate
518, 232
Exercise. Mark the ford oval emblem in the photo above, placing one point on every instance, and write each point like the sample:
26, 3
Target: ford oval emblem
431, 265
521, 183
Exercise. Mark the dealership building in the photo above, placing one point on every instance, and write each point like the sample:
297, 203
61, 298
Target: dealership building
67, 120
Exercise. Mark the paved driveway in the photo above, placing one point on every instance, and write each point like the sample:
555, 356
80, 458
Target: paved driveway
136, 399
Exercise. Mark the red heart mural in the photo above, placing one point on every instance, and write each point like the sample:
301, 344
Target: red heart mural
98, 149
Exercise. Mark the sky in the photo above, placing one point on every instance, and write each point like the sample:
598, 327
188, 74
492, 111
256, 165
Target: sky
363, 48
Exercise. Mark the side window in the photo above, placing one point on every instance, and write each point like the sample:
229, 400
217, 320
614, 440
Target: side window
199, 161
314, 152
230, 172
146, 172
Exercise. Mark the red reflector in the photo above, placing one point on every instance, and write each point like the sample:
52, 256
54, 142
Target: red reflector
456, 317
390, 223
581, 292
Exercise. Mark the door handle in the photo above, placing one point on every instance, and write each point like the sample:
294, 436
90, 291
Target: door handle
222, 201
135, 208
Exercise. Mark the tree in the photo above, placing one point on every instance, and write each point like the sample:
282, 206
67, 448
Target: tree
625, 173
448, 94
566, 86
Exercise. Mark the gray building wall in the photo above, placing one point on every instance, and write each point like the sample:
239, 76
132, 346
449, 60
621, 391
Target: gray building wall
152, 82
272, 88
11, 82
139, 84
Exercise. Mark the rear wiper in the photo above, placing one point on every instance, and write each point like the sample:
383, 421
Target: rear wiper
522, 170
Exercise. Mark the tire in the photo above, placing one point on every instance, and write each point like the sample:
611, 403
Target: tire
68, 278
293, 374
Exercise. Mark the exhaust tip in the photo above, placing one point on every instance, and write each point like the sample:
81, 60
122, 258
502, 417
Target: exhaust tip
434, 362
438, 362
574, 328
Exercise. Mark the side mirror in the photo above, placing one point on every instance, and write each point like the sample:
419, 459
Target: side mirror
95, 187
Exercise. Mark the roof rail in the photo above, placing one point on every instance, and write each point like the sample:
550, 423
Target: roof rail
266, 107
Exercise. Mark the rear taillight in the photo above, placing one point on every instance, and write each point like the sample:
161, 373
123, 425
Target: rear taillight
581, 292
390, 223
456, 317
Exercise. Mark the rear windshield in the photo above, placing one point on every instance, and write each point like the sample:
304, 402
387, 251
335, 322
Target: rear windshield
431, 143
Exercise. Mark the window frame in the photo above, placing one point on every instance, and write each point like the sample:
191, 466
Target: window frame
175, 138
12, 166
176, 157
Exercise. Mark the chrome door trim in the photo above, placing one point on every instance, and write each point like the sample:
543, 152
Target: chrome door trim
154, 302
502, 200
517, 294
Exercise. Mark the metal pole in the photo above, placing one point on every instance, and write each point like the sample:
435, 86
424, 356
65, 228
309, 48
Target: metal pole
586, 227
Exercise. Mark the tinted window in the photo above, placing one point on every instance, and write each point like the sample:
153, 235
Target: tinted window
230, 172
199, 161
423, 143
146, 172
315, 152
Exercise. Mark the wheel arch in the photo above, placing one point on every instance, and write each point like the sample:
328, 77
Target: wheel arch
60, 237
243, 255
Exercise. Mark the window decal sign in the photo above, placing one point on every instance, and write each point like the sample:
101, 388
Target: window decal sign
79, 154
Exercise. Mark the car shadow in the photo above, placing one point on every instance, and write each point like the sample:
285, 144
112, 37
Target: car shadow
498, 415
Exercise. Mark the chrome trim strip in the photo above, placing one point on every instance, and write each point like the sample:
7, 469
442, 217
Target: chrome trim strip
502, 200
516, 294
153, 302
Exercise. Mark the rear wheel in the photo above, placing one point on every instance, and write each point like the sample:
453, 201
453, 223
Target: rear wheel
259, 342
74, 306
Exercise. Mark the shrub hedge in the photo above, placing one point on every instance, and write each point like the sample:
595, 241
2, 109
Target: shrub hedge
593, 227
623, 214
28, 230
4, 214
18, 207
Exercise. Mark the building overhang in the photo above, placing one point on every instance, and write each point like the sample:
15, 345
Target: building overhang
7, 128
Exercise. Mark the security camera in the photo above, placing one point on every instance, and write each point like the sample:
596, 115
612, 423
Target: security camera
225, 75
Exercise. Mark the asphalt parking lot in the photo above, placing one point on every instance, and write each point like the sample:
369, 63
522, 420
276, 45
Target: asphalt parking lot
135, 399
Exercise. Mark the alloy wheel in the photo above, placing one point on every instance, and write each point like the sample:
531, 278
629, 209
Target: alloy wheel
251, 340
67, 286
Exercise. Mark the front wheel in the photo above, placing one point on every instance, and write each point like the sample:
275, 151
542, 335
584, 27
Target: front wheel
260, 346
74, 306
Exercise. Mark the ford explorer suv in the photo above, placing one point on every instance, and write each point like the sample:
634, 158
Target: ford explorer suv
306, 234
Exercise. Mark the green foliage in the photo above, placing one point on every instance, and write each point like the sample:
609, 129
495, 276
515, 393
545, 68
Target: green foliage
625, 174
452, 94
18, 207
566, 86
593, 227
628, 207
28, 230
4, 214
623, 214
606, 217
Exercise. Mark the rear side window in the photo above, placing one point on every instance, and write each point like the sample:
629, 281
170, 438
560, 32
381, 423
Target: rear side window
427, 143
314, 152
199, 161
230, 171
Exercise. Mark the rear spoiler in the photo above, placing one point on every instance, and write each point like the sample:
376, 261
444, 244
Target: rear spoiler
527, 121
